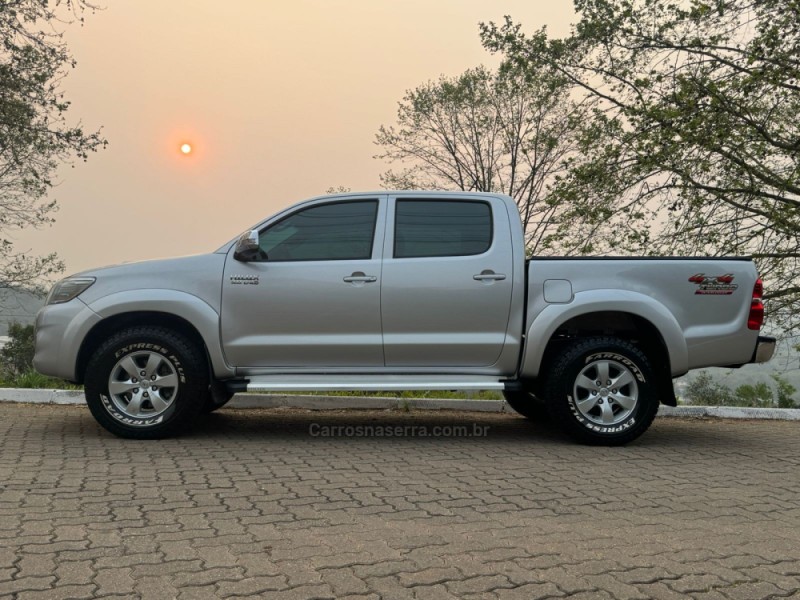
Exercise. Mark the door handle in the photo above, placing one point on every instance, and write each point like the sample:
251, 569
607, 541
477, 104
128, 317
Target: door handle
488, 275
359, 277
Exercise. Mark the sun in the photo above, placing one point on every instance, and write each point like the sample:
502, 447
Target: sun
186, 148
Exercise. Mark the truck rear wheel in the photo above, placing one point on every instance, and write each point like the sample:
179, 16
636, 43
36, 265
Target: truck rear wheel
146, 383
602, 391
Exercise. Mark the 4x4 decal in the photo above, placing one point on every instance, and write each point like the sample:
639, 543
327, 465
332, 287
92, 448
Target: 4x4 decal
713, 285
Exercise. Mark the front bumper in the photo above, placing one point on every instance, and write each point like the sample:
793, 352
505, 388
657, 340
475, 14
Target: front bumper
765, 348
60, 330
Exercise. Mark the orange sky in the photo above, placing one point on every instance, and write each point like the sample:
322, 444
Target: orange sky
281, 100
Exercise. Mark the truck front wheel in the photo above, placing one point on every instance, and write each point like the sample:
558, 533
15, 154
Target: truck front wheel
601, 391
146, 382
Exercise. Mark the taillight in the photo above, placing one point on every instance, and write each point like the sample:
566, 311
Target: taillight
756, 317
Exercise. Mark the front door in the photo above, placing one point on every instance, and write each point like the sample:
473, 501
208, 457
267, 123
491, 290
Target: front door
311, 297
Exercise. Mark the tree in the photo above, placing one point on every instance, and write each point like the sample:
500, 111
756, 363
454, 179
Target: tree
694, 142
486, 131
34, 133
338, 189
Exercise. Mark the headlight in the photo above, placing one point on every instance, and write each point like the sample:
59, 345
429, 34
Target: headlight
67, 289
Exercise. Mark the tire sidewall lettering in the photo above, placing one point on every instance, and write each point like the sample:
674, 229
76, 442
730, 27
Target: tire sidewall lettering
165, 352
620, 359
112, 410
606, 430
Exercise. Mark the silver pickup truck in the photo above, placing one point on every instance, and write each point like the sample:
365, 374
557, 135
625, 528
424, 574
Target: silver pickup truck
398, 291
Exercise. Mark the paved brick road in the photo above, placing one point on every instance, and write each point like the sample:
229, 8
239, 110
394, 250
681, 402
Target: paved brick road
252, 505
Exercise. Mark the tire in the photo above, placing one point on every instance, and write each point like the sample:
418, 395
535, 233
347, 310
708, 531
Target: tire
604, 414
130, 406
216, 397
526, 404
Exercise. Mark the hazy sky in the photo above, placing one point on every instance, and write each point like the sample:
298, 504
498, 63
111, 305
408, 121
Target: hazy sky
280, 99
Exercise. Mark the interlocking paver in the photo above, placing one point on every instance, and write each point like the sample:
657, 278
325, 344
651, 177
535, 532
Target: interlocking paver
529, 591
251, 585
35, 564
73, 592
14, 586
155, 588
75, 572
114, 581
251, 505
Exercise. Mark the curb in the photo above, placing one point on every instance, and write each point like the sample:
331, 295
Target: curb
253, 400
41, 396
731, 412
35, 396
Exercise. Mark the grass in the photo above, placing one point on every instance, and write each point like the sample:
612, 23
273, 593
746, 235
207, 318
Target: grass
34, 380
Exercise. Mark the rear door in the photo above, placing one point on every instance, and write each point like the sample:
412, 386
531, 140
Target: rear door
447, 281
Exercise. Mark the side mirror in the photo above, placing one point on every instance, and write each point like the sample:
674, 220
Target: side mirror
247, 246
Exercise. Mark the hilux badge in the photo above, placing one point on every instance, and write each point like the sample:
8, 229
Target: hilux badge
244, 279
713, 285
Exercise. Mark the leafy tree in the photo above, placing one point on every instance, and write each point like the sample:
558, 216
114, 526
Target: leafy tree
339, 189
486, 131
34, 133
694, 144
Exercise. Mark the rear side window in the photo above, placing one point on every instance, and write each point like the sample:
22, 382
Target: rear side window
441, 228
340, 231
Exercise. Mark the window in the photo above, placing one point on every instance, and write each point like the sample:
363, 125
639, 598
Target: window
339, 231
441, 228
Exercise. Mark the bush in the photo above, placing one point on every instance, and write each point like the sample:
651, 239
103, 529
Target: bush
705, 391
16, 362
757, 396
16, 357
784, 392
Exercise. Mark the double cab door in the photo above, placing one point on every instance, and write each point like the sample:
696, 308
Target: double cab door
369, 282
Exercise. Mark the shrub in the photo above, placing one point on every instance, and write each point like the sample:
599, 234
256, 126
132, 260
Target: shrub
784, 392
756, 396
705, 391
16, 357
16, 362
